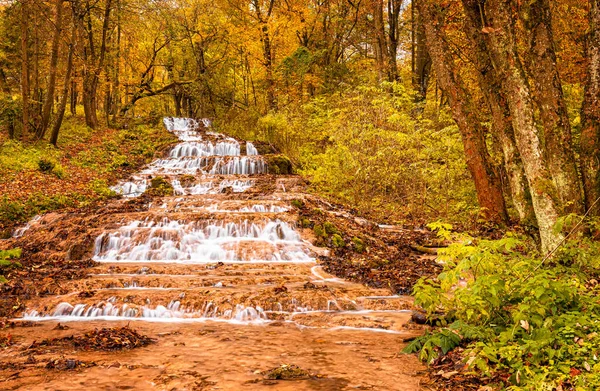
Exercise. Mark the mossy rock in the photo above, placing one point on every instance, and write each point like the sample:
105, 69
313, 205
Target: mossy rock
320, 234
359, 245
279, 164
337, 241
304, 222
160, 187
297, 203
330, 228
287, 372
187, 180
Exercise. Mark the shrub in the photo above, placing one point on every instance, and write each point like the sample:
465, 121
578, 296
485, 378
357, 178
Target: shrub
535, 319
337, 241
7, 260
45, 165
160, 187
330, 228
359, 245
101, 188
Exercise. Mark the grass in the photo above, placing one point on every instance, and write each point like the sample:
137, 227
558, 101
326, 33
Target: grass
36, 177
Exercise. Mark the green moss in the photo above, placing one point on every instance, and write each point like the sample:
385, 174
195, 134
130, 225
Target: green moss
304, 222
337, 241
330, 229
45, 165
319, 231
359, 245
297, 203
159, 187
279, 164
101, 188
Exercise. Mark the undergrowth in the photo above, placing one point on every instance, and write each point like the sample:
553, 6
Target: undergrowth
37, 177
535, 321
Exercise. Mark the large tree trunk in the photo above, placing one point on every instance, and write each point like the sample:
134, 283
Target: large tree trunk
394, 8
590, 113
60, 113
380, 43
422, 67
501, 41
548, 95
502, 128
11, 117
49, 101
95, 63
487, 183
25, 64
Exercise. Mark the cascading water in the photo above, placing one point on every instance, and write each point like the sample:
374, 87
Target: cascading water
163, 239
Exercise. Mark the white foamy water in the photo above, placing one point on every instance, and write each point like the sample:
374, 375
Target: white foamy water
190, 239
21, 231
201, 242
194, 156
107, 310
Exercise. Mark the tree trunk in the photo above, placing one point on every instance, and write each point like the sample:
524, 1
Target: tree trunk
49, 101
590, 113
73, 100
25, 64
60, 113
501, 41
394, 7
548, 95
487, 183
380, 43
490, 84
11, 115
422, 60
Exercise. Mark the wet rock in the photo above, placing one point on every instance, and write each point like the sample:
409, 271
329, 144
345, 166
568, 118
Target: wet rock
287, 372
280, 289
67, 364
80, 249
159, 187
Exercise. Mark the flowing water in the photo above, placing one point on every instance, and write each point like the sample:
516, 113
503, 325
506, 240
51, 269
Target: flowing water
229, 284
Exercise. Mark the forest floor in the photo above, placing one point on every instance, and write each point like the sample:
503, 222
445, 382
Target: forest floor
336, 324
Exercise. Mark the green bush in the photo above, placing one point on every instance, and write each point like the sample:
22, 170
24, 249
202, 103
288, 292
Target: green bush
45, 165
359, 245
330, 228
296, 203
337, 241
7, 260
160, 187
101, 188
535, 319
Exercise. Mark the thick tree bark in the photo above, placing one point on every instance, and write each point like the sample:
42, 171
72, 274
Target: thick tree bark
501, 40
49, 101
25, 64
487, 183
380, 43
422, 67
394, 8
263, 22
548, 95
501, 125
95, 63
11, 117
590, 112
60, 113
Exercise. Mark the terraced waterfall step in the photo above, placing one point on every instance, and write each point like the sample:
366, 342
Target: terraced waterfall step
219, 274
